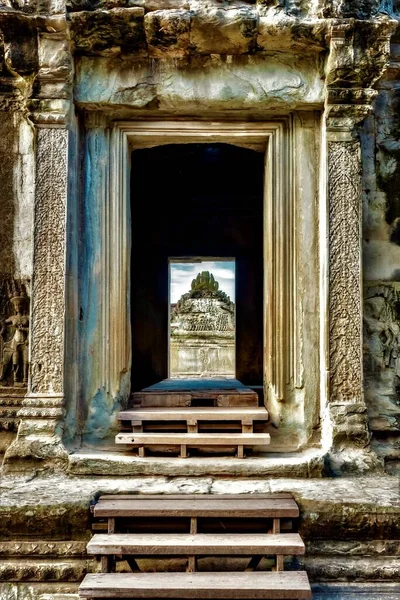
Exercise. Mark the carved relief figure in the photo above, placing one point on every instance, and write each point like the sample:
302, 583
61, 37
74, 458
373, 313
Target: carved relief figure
14, 340
382, 328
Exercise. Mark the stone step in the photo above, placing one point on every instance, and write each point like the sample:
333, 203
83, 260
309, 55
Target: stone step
212, 506
185, 440
289, 585
164, 544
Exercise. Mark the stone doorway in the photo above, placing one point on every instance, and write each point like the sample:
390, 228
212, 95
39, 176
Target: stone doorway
191, 200
291, 342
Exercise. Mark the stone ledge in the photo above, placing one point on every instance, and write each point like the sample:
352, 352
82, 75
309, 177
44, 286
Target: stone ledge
39, 591
35, 570
363, 508
90, 462
349, 591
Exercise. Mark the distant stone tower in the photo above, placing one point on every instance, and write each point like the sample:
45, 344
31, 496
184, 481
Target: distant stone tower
203, 331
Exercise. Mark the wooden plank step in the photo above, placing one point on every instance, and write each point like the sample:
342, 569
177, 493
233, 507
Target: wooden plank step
193, 439
260, 585
213, 497
200, 506
196, 414
168, 544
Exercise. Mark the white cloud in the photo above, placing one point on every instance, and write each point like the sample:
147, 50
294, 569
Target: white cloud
182, 275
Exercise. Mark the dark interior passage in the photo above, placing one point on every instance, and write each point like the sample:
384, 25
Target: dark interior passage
195, 200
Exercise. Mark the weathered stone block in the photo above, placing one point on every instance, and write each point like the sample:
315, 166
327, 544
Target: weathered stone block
151, 5
20, 38
91, 5
289, 34
207, 83
359, 57
168, 33
349, 424
351, 8
110, 31
223, 30
53, 52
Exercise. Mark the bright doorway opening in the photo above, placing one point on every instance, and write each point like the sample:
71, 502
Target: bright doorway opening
202, 318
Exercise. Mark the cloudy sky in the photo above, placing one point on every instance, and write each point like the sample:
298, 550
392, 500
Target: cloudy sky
183, 273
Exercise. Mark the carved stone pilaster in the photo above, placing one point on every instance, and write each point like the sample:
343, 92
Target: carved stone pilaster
345, 325
39, 435
347, 409
353, 66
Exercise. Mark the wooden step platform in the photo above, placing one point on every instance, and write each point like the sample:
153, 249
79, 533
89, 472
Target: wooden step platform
188, 392
192, 416
193, 527
202, 414
198, 544
190, 440
198, 586
199, 505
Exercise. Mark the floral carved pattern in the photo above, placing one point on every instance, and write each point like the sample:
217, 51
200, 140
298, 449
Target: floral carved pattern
345, 325
47, 341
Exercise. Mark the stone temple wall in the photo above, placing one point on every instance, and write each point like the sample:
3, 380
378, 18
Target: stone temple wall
67, 71
381, 247
329, 70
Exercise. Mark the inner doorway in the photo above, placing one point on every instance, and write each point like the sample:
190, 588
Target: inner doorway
195, 200
202, 318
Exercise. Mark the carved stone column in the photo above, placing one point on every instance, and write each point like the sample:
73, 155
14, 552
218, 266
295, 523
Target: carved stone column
40, 430
39, 440
350, 76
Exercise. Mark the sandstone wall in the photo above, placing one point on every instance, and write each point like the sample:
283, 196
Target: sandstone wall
239, 60
381, 177
17, 176
245, 60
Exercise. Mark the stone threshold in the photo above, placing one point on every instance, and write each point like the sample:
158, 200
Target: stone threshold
310, 463
356, 495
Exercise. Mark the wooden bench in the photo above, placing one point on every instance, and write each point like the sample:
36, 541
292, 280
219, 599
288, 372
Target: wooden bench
194, 586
